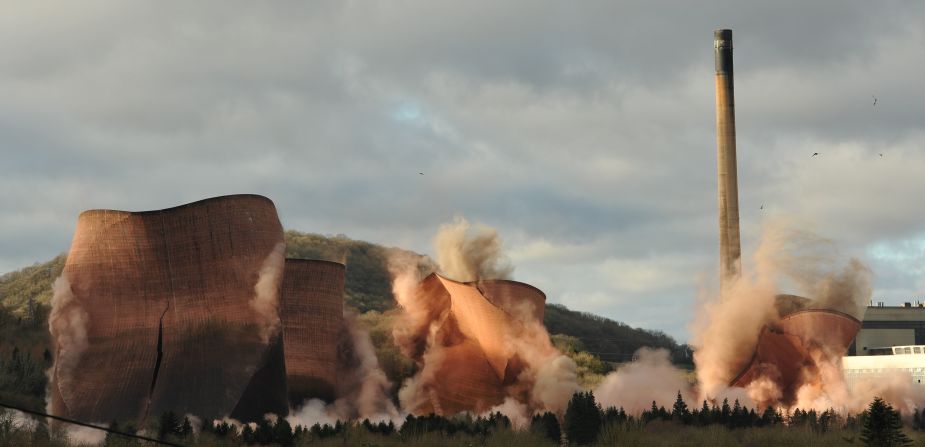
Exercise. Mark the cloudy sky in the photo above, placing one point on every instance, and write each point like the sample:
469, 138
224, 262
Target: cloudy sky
582, 131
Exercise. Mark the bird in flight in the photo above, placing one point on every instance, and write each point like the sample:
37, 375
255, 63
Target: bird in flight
875, 99
762, 207
881, 155
421, 173
814, 154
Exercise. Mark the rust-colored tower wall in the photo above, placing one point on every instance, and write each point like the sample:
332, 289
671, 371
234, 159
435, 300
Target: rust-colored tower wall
181, 280
727, 177
311, 310
477, 359
466, 382
784, 350
517, 298
481, 321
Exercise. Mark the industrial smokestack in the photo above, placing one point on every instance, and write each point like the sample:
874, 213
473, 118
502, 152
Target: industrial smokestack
727, 182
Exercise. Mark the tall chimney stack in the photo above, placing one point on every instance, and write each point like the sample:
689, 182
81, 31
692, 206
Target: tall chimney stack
727, 182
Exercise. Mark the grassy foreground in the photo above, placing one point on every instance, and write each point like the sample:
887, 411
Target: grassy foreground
18, 432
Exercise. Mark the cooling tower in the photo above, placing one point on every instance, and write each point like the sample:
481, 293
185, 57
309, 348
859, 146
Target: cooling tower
787, 352
727, 182
518, 299
171, 310
477, 359
312, 310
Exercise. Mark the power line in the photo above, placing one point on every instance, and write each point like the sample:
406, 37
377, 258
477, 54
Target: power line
84, 424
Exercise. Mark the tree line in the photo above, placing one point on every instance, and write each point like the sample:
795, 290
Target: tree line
581, 424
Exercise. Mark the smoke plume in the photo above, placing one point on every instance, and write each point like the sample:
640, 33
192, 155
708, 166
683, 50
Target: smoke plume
418, 312
650, 377
363, 385
518, 413
85, 436
467, 254
727, 328
68, 326
266, 292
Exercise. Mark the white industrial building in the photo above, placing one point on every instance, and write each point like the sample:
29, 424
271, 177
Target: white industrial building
891, 340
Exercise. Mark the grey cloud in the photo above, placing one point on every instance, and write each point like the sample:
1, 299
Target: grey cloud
587, 126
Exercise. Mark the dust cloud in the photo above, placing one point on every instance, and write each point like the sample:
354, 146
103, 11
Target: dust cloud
727, 328
68, 326
465, 253
651, 376
266, 292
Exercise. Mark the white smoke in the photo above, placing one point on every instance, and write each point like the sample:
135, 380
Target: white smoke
368, 387
313, 411
467, 254
18, 420
266, 292
650, 377
85, 435
555, 382
68, 326
517, 412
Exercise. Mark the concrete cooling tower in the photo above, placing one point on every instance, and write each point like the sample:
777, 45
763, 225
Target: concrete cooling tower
790, 348
312, 310
171, 310
477, 360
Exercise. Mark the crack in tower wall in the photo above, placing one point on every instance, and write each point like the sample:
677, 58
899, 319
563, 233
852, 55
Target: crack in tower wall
160, 350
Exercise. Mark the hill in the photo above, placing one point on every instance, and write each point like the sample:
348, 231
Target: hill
368, 288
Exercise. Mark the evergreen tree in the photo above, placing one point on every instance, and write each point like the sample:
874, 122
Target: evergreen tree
264, 433
828, 420
547, 424
735, 416
725, 413
283, 432
168, 425
679, 411
663, 414
705, 416
768, 417
582, 419
798, 418
651, 414
186, 429
812, 419
882, 426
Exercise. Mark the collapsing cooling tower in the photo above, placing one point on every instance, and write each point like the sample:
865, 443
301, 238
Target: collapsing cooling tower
311, 310
790, 348
178, 311
786, 349
477, 360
